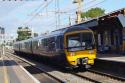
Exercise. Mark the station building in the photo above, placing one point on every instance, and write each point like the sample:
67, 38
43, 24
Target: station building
109, 31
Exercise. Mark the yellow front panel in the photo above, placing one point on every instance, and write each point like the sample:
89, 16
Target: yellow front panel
73, 56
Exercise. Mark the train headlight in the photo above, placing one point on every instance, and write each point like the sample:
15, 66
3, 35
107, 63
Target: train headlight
91, 52
72, 54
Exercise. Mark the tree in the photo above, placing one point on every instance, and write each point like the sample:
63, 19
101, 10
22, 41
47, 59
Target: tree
23, 33
19, 27
93, 12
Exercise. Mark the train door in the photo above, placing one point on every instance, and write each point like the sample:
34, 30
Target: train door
35, 46
39, 46
31, 47
59, 43
51, 44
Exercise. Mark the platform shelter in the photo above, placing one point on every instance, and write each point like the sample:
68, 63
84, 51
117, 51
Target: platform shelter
109, 31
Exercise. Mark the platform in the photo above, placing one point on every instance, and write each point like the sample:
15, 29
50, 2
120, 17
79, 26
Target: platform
11, 72
112, 57
113, 64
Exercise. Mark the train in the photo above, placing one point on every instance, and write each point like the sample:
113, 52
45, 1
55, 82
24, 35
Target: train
69, 47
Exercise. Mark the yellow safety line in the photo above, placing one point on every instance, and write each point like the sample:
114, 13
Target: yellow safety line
6, 80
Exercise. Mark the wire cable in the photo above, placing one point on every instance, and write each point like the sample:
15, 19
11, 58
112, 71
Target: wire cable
37, 13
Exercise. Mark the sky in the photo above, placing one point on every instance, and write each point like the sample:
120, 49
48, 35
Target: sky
41, 17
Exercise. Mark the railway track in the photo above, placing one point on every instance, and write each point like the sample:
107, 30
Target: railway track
60, 76
93, 76
108, 75
38, 73
98, 77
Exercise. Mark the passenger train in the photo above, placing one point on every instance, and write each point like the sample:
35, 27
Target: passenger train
69, 47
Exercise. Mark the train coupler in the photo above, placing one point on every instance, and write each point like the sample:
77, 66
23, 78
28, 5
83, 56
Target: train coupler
82, 61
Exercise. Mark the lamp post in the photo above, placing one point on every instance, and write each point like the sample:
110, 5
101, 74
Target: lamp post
78, 13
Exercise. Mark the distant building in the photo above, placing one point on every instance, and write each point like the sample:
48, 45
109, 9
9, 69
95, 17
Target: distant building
2, 35
9, 40
2, 30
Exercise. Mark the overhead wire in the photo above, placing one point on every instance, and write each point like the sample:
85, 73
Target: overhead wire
27, 19
38, 12
76, 8
69, 11
38, 8
93, 5
89, 6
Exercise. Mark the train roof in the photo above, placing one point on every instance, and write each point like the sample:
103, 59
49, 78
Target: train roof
62, 31
68, 29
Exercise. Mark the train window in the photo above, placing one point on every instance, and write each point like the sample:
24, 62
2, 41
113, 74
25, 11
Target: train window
35, 44
51, 43
27, 45
45, 42
87, 39
80, 41
39, 42
23, 46
74, 40
59, 42
42, 41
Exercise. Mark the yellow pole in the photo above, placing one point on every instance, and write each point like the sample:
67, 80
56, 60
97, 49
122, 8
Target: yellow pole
79, 12
124, 11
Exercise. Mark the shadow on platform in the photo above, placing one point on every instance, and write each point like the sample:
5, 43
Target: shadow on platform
109, 55
7, 63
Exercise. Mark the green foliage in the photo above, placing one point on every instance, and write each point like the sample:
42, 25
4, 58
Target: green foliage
23, 33
19, 27
93, 12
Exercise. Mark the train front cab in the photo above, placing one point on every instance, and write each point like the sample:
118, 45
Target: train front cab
80, 48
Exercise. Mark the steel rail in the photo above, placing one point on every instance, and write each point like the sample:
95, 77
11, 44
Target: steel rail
106, 74
87, 78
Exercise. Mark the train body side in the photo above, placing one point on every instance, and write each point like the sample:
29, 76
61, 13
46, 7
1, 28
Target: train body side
50, 48
16, 47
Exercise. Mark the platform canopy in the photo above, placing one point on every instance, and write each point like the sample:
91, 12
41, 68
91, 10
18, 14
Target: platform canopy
121, 18
90, 23
118, 16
